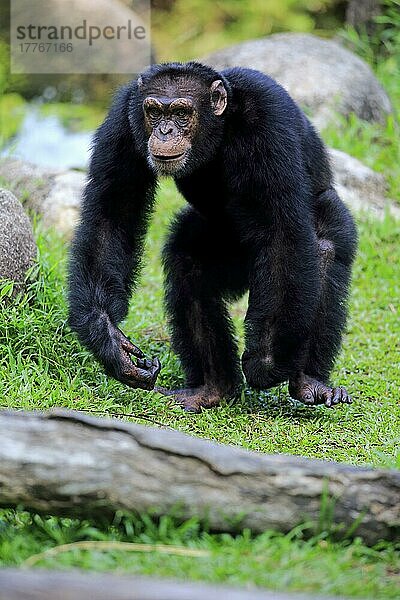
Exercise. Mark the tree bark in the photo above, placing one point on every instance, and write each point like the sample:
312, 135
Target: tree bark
67, 463
360, 14
47, 585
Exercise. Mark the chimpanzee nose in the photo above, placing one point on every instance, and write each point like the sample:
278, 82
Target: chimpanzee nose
166, 128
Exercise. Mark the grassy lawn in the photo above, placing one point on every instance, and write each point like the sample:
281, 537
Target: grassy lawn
43, 366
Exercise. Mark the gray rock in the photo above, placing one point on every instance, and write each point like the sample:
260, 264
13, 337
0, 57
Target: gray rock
361, 188
17, 245
55, 195
28, 182
60, 208
321, 75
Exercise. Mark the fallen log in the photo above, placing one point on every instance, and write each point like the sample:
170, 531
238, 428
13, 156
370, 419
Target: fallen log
67, 463
47, 585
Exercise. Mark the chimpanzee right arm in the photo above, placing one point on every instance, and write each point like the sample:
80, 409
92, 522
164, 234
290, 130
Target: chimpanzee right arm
107, 247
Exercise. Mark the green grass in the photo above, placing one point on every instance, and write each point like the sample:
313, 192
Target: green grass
12, 112
279, 562
43, 366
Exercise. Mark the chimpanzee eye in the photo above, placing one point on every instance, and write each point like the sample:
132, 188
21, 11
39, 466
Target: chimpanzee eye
154, 113
182, 115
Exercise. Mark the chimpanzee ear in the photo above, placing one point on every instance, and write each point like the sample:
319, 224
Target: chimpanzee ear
219, 97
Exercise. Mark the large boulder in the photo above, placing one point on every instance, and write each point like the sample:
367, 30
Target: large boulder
17, 245
55, 195
321, 75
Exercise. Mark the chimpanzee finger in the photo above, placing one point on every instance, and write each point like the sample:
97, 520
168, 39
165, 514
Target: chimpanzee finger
147, 364
329, 399
337, 395
143, 375
138, 380
346, 398
156, 367
140, 376
134, 383
147, 373
143, 363
308, 398
154, 370
129, 347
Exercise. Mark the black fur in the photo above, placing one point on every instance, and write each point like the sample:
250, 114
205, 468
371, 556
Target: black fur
260, 196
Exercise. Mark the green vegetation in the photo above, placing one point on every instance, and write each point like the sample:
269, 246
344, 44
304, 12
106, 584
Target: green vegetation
279, 562
183, 29
43, 366
12, 105
375, 144
12, 112
382, 41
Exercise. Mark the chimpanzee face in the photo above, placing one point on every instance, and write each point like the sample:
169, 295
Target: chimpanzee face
171, 123
174, 111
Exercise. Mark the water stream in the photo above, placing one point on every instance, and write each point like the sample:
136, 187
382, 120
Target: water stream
44, 141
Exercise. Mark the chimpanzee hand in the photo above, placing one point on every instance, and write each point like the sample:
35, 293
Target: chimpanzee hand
141, 375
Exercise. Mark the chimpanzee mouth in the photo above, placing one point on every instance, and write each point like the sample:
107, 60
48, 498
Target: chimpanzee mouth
168, 158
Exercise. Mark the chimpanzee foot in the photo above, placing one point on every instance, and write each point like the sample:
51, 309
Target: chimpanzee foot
195, 399
198, 398
313, 392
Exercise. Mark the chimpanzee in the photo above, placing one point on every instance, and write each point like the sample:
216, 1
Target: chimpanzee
262, 216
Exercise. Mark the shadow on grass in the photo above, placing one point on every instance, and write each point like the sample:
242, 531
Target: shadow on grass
274, 403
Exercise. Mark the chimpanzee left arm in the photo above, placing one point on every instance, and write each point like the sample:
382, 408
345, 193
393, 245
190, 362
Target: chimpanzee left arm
284, 286
284, 275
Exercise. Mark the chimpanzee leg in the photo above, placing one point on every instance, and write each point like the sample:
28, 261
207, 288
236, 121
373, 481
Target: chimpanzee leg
337, 243
203, 270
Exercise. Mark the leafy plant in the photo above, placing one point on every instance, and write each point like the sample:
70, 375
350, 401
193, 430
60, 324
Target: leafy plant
186, 29
384, 40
